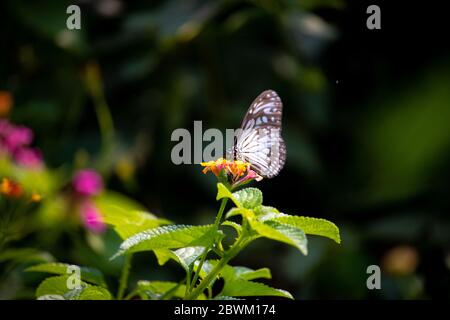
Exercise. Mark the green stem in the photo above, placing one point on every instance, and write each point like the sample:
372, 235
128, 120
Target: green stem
130, 295
124, 277
188, 281
220, 213
199, 268
231, 253
204, 255
105, 121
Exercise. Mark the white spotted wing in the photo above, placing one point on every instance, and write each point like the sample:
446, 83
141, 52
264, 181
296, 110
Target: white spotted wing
259, 142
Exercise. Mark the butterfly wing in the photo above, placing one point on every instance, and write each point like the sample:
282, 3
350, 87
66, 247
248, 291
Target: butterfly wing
265, 110
259, 141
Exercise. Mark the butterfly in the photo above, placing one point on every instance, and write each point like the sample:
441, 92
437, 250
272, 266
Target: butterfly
259, 141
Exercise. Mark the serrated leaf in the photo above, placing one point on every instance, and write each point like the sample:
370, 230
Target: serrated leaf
230, 273
184, 256
225, 298
313, 226
57, 287
170, 237
247, 213
90, 275
188, 255
234, 225
94, 293
265, 210
244, 288
51, 297
52, 286
157, 289
249, 198
281, 232
128, 222
250, 274
207, 266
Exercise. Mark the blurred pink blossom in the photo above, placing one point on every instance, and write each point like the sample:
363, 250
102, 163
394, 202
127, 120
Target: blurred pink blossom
87, 182
92, 218
28, 157
18, 137
15, 141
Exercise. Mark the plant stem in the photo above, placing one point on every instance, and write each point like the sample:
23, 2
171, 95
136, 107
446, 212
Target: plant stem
231, 253
124, 277
205, 253
199, 268
220, 213
105, 121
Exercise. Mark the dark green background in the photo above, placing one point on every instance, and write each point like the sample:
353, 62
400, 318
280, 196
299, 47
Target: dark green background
365, 121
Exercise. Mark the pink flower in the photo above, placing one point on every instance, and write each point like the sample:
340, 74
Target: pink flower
248, 177
87, 182
92, 218
17, 137
28, 157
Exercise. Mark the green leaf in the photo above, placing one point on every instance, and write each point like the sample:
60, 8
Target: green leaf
188, 255
95, 293
126, 217
234, 225
265, 210
157, 289
25, 255
281, 232
184, 256
313, 226
87, 274
56, 288
207, 266
223, 192
53, 286
244, 288
250, 274
170, 237
230, 273
162, 255
247, 213
247, 198
225, 298
51, 297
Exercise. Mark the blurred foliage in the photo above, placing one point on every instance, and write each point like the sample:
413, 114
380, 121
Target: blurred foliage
365, 124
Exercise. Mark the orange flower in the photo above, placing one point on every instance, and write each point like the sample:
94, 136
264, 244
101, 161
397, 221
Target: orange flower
239, 171
235, 168
36, 197
10, 188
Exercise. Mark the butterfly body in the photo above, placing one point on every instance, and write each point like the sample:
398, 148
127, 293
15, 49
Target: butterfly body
259, 140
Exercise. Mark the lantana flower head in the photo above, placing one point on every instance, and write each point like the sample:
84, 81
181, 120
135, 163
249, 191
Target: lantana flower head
13, 189
10, 188
237, 171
